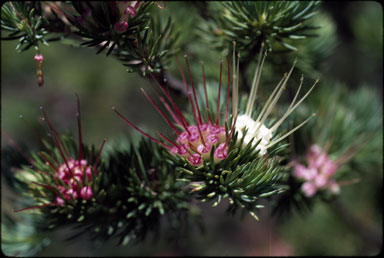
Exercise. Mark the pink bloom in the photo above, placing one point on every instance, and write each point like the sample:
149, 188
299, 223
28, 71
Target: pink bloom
69, 193
59, 201
309, 189
193, 140
221, 151
317, 161
74, 174
195, 159
131, 11
121, 26
86, 192
320, 181
302, 172
318, 174
329, 168
333, 187
39, 58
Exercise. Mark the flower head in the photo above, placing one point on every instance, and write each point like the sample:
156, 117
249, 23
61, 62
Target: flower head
196, 139
254, 129
318, 174
67, 174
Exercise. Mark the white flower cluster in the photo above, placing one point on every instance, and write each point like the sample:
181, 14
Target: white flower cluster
255, 130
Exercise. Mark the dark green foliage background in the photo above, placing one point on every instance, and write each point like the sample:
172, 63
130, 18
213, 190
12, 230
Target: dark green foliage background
101, 82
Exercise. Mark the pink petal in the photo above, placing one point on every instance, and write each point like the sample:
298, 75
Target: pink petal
309, 189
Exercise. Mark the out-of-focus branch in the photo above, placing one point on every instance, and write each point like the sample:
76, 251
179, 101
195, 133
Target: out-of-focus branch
372, 237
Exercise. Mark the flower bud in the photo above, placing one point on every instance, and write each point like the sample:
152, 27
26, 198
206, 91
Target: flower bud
121, 26
86, 192
39, 58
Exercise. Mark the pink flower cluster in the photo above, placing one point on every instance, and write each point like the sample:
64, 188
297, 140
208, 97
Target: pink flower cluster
195, 143
72, 174
318, 174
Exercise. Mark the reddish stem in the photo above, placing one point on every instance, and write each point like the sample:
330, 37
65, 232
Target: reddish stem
187, 89
178, 112
193, 88
167, 139
98, 156
205, 93
161, 112
35, 207
46, 186
54, 132
140, 131
47, 160
34, 132
170, 111
57, 141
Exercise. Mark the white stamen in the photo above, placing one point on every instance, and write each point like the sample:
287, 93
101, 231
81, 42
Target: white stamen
255, 83
270, 98
272, 105
297, 93
289, 111
290, 132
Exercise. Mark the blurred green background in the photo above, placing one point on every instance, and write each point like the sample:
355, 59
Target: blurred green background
102, 82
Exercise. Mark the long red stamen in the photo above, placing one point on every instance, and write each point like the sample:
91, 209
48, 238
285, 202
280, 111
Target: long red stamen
98, 156
79, 129
57, 141
167, 139
229, 82
218, 97
47, 160
33, 131
205, 93
187, 88
177, 121
42, 172
178, 112
16, 146
193, 148
35, 207
181, 118
161, 112
201, 135
193, 88
54, 131
140, 131
45, 186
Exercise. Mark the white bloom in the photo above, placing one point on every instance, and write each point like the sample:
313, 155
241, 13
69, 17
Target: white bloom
255, 131
255, 128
